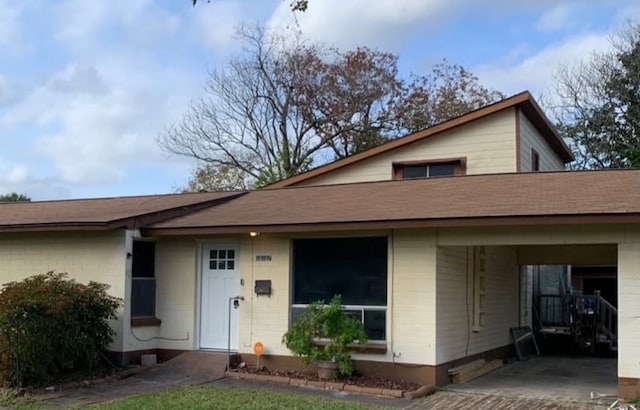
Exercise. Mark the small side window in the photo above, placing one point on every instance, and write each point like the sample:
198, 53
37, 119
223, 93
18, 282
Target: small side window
143, 281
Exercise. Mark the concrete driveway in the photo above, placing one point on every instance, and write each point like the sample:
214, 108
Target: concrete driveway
549, 378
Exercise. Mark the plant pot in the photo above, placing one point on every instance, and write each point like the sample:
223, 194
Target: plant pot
327, 370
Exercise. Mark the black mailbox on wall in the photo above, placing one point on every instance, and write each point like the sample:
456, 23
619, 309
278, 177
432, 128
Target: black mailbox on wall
263, 287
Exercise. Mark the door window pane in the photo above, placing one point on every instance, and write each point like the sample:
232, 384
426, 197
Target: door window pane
222, 259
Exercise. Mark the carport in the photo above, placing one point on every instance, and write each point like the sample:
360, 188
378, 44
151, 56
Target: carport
584, 244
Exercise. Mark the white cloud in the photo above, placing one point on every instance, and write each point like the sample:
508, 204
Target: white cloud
95, 120
389, 24
103, 122
558, 17
383, 23
535, 72
10, 29
79, 21
216, 23
5, 90
19, 178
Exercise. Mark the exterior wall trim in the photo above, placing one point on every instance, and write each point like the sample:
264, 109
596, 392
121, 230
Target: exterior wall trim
518, 141
405, 224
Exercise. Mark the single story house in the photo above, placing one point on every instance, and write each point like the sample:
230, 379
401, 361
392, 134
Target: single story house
427, 238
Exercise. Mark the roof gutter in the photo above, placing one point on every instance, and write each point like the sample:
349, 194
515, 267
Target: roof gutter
56, 227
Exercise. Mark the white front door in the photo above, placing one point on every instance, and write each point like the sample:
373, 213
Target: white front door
220, 281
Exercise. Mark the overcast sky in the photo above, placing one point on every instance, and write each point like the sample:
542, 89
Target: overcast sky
87, 85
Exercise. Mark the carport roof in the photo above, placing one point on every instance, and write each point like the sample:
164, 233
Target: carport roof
478, 200
103, 213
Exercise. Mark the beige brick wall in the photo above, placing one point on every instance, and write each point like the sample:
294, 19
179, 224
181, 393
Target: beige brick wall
264, 318
530, 137
489, 145
176, 299
411, 295
456, 337
90, 256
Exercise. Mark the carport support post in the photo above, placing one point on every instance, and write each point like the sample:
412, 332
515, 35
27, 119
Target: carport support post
629, 314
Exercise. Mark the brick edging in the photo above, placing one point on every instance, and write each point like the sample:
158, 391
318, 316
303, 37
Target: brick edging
334, 385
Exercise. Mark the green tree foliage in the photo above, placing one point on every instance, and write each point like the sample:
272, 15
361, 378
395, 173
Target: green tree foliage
287, 103
599, 110
51, 326
14, 197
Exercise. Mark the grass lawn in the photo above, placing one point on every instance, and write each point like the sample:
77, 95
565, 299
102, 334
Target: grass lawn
229, 398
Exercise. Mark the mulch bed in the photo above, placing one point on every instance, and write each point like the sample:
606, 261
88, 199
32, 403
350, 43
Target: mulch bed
361, 381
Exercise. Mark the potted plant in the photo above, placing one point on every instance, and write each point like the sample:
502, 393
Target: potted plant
322, 334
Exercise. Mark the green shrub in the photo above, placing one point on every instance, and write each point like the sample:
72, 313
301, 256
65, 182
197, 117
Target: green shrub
323, 333
51, 326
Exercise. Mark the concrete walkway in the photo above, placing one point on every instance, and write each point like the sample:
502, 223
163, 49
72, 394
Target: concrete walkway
542, 383
188, 369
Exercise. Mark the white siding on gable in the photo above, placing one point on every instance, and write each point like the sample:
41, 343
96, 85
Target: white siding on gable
489, 145
530, 138
455, 338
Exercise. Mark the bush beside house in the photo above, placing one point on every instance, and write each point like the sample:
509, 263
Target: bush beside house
51, 326
323, 333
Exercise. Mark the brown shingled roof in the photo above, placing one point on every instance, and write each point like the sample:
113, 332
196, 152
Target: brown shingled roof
474, 199
523, 101
103, 213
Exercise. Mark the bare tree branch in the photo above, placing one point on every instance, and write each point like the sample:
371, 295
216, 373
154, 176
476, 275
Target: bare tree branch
270, 112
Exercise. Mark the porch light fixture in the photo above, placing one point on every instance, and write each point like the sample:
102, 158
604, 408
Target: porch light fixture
253, 234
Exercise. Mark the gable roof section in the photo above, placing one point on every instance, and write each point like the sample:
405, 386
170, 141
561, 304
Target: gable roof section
524, 101
474, 200
103, 213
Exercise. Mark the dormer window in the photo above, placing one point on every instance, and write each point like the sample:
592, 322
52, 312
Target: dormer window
428, 169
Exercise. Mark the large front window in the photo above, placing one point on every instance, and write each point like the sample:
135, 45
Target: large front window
355, 268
